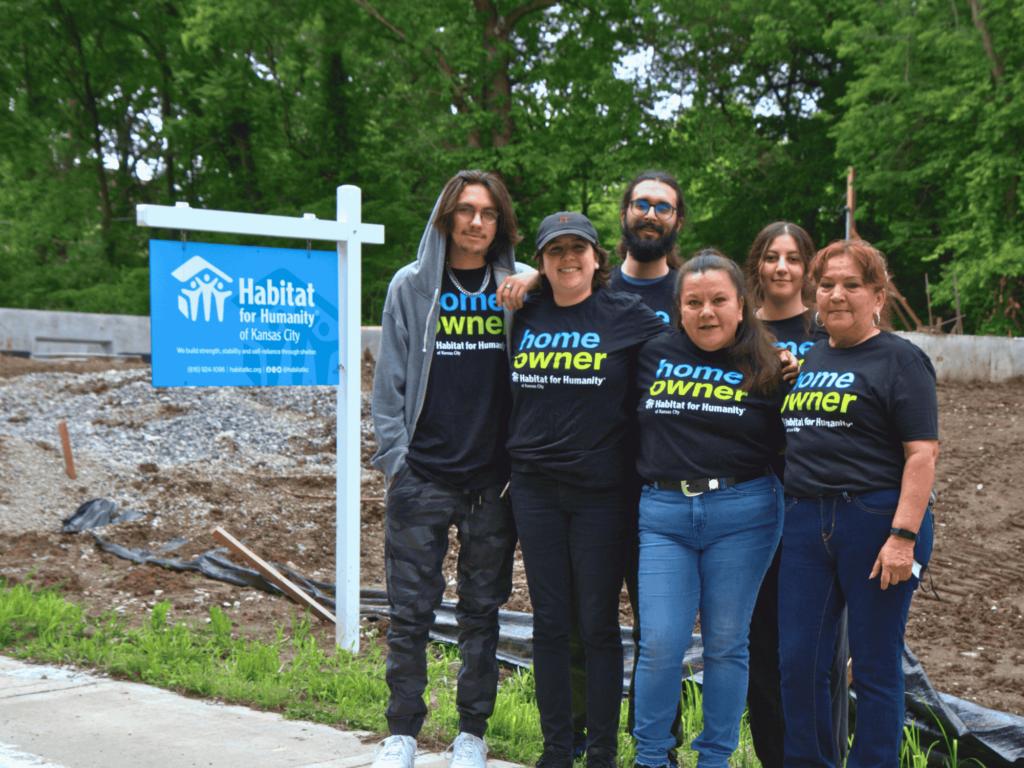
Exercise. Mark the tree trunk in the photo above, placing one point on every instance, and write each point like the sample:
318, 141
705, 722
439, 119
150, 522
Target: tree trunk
497, 95
986, 40
95, 138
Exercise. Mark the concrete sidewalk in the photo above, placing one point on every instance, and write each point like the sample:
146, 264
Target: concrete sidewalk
52, 717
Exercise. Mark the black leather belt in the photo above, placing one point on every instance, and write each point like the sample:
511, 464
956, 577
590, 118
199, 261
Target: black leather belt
705, 484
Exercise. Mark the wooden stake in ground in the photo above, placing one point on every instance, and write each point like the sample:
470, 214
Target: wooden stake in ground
928, 293
959, 317
851, 205
271, 574
69, 463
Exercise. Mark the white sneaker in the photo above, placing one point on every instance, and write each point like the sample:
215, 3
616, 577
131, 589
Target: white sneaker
395, 752
467, 751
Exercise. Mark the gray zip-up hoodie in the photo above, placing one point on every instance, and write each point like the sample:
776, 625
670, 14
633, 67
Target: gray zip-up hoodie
408, 330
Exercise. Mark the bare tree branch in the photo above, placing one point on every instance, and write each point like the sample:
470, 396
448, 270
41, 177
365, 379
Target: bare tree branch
523, 10
376, 14
986, 40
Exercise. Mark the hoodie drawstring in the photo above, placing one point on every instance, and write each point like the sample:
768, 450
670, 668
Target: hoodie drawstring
430, 314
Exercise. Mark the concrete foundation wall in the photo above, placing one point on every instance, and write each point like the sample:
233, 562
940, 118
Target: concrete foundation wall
40, 333
972, 358
371, 339
43, 334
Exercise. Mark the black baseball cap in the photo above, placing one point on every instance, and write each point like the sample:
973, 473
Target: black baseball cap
565, 223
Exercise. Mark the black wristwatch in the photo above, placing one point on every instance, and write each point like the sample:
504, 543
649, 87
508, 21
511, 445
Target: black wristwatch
903, 533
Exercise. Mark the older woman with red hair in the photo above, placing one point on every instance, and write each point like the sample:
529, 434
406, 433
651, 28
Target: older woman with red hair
862, 441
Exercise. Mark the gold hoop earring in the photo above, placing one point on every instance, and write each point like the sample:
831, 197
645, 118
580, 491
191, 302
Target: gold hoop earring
817, 321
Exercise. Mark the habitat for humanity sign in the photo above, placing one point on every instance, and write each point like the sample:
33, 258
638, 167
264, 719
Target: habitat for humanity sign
228, 315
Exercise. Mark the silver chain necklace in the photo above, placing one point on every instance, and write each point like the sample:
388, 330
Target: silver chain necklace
463, 291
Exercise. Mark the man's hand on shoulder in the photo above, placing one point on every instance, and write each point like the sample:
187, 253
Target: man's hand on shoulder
515, 287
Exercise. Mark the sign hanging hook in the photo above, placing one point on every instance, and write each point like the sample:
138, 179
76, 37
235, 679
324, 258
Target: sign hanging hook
308, 217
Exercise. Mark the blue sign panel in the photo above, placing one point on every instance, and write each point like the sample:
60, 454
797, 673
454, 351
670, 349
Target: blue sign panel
233, 316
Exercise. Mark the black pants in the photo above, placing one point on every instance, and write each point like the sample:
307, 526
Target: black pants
571, 537
417, 518
578, 655
764, 689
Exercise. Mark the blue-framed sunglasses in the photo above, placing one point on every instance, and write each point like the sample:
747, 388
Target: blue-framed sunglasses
662, 210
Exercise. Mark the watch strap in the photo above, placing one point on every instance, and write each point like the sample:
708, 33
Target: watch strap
903, 533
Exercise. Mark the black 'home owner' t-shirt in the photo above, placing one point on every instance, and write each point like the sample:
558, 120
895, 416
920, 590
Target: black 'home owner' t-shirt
461, 433
695, 421
797, 334
571, 373
658, 294
850, 412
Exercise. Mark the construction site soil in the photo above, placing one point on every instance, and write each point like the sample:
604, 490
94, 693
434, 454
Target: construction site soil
283, 507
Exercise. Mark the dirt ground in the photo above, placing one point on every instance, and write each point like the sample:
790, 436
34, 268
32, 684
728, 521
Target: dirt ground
16, 366
969, 641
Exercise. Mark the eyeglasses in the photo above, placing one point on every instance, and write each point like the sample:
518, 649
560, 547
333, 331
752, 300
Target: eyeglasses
466, 214
661, 210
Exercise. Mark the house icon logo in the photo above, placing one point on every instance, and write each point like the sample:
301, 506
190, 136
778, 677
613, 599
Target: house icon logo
202, 282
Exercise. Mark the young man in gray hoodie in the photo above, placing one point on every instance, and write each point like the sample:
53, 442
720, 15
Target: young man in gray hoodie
441, 404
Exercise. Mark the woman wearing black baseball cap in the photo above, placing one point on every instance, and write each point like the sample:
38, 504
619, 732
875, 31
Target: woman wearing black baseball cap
574, 347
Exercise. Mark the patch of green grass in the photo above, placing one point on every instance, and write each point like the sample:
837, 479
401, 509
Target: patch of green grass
913, 756
294, 676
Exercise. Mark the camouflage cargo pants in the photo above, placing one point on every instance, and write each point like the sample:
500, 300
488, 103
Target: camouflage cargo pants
417, 518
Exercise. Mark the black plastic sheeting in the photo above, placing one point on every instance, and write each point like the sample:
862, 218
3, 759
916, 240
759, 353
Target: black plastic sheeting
97, 513
994, 738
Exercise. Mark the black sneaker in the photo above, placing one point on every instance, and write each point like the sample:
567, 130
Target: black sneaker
641, 765
552, 758
599, 757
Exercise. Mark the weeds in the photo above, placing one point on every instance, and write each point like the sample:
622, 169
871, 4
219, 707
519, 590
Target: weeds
911, 755
211, 660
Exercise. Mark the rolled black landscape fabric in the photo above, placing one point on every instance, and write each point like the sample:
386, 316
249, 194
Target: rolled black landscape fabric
994, 738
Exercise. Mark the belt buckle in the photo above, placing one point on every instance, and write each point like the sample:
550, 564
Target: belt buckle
686, 490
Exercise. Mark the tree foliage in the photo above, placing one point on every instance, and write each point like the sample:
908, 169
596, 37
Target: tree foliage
269, 105
933, 122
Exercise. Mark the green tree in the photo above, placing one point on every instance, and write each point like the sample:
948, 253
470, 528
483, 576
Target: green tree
752, 83
81, 99
932, 122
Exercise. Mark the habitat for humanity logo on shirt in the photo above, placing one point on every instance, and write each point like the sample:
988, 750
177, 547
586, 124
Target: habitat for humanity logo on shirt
540, 355
700, 385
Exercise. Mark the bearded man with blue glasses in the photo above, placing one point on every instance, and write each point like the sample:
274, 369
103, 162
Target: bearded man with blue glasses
652, 212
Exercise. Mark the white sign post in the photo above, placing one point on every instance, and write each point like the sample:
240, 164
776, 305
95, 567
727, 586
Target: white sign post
349, 232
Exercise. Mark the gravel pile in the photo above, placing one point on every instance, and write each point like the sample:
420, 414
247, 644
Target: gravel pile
120, 416
121, 427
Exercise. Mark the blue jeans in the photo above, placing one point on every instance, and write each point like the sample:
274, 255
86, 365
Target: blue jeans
572, 539
828, 549
708, 552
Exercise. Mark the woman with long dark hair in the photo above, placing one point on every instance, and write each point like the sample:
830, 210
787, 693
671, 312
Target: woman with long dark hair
778, 280
711, 512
